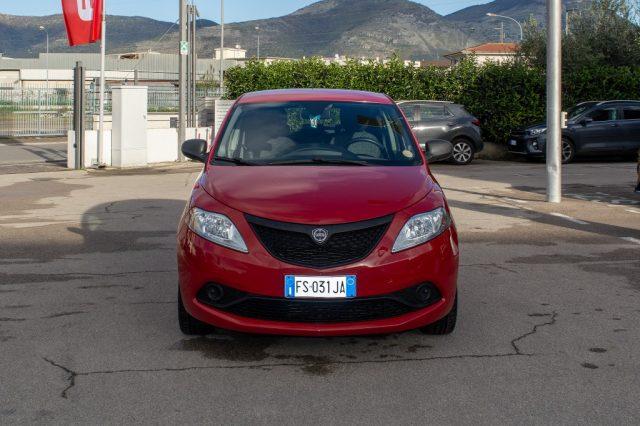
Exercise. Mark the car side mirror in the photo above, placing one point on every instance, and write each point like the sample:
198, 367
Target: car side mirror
438, 150
586, 121
195, 149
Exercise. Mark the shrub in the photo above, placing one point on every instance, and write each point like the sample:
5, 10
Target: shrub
503, 96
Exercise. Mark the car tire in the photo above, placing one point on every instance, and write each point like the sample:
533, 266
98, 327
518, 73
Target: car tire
190, 325
568, 151
463, 152
444, 325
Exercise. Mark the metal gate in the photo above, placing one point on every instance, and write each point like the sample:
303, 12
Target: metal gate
35, 112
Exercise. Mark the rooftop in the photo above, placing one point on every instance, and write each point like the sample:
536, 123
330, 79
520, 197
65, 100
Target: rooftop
489, 49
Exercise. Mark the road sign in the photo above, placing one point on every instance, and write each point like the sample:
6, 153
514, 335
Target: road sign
184, 48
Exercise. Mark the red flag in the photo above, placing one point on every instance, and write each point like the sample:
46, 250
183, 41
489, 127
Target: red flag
83, 19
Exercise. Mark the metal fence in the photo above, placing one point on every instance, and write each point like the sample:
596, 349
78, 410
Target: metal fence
49, 112
35, 112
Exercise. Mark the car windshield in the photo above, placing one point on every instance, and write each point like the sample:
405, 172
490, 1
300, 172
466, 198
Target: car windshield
579, 109
316, 133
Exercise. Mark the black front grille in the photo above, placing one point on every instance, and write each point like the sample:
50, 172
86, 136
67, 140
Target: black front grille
293, 243
322, 311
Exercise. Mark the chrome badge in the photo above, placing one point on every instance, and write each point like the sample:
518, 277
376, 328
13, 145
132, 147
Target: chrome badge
320, 235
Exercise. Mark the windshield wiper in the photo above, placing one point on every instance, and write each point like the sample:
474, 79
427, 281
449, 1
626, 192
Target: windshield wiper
320, 161
237, 161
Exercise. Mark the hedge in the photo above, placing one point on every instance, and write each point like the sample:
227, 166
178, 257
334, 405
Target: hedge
503, 96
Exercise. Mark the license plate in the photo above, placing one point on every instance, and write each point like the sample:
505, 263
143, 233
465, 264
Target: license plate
305, 287
513, 143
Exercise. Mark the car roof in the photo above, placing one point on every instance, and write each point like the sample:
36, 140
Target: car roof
619, 101
615, 101
425, 101
301, 95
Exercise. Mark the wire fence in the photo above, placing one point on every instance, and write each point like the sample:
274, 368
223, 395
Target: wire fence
49, 112
35, 112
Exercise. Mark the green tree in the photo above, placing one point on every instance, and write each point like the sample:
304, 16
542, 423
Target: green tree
604, 34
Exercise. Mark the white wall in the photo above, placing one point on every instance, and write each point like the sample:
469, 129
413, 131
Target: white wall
90, 148
162, 145
154, 120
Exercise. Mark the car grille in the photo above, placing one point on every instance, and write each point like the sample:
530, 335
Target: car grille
322, 311
293, 243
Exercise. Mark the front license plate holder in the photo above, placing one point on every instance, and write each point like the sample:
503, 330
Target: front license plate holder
318, 287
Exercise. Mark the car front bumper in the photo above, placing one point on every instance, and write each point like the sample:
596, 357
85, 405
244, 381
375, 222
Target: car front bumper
257, 273
521, 144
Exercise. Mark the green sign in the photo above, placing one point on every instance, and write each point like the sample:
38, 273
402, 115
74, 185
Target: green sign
184, 47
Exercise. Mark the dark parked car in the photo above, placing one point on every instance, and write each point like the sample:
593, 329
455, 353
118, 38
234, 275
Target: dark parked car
609, 127
445, 120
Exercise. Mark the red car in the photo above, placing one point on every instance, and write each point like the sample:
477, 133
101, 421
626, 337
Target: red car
316, 214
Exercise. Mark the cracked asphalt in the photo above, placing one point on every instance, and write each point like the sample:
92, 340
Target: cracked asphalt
548, 327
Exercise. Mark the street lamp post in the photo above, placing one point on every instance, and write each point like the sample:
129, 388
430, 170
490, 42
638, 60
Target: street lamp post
47, 57
258, 32
494, 15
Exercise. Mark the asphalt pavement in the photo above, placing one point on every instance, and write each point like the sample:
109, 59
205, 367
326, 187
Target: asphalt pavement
548, 327
22, 155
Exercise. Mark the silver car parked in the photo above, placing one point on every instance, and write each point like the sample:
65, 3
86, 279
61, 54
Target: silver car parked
448, 121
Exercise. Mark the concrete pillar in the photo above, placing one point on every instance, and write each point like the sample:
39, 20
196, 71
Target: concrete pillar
129, 137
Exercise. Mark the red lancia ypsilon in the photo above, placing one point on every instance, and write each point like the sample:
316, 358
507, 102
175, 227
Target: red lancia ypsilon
316, 214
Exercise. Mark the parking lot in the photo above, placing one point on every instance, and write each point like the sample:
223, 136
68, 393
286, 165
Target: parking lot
548, 327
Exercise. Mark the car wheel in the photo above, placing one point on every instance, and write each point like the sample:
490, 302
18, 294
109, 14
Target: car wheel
568, 151
463, 152
444, 325
190, 325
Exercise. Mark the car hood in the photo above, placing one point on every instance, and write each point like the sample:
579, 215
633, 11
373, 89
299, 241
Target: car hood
534, 127
320, 195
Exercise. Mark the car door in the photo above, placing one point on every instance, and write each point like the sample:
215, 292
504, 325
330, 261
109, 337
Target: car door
631, 126
433, 123
600, 130
413, 113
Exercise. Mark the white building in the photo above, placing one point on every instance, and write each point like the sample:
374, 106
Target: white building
495, 52
231, 53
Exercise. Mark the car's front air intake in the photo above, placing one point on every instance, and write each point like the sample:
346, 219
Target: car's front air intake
319, 246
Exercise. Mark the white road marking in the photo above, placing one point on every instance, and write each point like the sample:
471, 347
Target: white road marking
633, 211
569, 218
631, 240
516, 201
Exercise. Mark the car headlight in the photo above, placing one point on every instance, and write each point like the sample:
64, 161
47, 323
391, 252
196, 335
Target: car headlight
216, 228
536, 132
422, 228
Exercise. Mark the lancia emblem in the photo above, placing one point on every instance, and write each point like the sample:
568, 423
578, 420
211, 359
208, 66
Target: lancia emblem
320, 235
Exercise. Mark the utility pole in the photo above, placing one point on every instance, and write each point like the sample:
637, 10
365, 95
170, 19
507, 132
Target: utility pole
189, 64
194, 65
501, 29
184, 52
221, 46
103, 53
554, 101
47, 58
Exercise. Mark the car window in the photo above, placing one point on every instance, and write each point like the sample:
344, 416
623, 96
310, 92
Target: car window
425, 112
631, 113
434, 112
412, 111
604, 114
579, 109
317, 132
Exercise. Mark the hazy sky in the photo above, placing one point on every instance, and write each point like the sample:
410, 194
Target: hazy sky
235, 10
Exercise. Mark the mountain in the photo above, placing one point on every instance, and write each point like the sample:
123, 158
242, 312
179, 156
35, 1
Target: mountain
356, 28
476, 22
21, 36
347, 27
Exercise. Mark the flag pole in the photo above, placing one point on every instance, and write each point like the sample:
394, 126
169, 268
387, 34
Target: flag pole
100, 159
